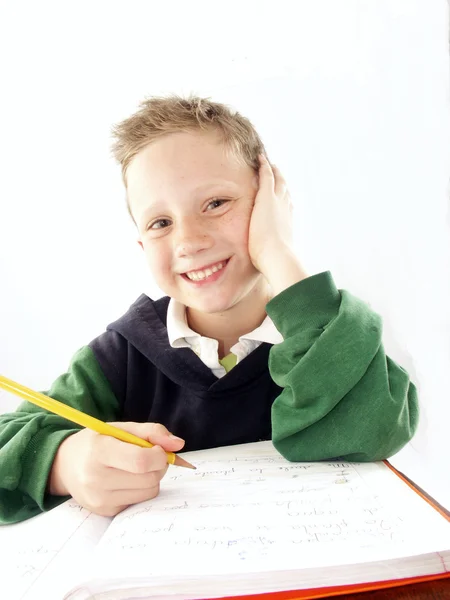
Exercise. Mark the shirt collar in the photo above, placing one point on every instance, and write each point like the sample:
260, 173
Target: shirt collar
178, 330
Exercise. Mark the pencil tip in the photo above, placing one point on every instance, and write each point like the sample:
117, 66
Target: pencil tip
180, 462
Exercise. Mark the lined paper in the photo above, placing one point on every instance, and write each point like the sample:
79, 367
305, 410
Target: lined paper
242, 512
43, 556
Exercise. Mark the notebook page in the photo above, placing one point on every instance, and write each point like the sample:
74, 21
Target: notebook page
246, 510
43, 556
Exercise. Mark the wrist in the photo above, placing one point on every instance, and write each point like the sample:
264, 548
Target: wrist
55, 484
282, 271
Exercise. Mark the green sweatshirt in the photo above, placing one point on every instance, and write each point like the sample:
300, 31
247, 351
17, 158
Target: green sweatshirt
327, 391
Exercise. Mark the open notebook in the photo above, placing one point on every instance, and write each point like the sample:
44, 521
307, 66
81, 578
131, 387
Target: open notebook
245, 522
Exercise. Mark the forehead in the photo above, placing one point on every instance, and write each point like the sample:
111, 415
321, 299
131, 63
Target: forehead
183, 163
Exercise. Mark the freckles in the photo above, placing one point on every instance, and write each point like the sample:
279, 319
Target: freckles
228, 218
236, 224
237, 229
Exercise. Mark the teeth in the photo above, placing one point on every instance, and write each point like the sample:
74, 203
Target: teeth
199, 275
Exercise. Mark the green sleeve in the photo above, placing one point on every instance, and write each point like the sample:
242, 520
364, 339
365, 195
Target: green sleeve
30, 437
342, 397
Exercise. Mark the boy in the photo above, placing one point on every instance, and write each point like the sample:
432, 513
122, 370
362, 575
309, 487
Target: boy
246, 345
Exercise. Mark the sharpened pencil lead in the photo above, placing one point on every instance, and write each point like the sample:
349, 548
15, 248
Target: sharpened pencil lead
180, 462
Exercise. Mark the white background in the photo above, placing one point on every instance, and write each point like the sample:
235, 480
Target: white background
351, 101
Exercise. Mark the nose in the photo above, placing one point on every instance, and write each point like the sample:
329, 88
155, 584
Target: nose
192, 236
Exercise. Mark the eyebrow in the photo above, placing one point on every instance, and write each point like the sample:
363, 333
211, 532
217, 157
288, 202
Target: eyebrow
211, 184
204, 186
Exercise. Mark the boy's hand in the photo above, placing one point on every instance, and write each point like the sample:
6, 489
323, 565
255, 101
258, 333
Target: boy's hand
270, 232
106, 475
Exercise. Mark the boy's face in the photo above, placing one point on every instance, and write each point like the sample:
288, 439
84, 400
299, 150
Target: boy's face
192, 206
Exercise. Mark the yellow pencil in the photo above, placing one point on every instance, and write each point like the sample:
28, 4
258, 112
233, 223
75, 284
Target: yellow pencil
76, 416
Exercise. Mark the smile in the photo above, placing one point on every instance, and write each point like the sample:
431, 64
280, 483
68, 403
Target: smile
209, 273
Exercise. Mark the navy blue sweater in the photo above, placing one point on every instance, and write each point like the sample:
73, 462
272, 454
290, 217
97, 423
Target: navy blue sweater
154, 382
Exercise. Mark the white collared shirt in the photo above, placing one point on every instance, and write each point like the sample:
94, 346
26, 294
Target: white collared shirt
207, 349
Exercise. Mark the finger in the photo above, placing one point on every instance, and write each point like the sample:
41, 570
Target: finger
155, 433
128, 457
120, 500
274, 177
277, 174
116, 479
289, 202
127, 497
287, 198
266, 176
280, 182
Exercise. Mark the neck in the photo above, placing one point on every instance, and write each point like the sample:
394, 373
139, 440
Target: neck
227, 327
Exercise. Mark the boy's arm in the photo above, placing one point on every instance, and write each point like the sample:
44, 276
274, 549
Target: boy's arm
30, 437
343, 397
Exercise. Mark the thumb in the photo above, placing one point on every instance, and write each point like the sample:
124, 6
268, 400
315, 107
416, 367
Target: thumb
155, 433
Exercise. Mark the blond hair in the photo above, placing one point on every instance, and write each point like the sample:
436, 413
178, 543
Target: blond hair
162, 115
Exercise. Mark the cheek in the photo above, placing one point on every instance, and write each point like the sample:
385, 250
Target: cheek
157, 259
236, 227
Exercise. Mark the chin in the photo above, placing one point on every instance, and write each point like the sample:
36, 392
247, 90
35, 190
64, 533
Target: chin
215, 305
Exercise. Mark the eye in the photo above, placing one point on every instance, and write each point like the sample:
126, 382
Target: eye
159, 224
217, 202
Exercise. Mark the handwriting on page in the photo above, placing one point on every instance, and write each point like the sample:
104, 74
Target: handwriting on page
29, 550
251, 509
